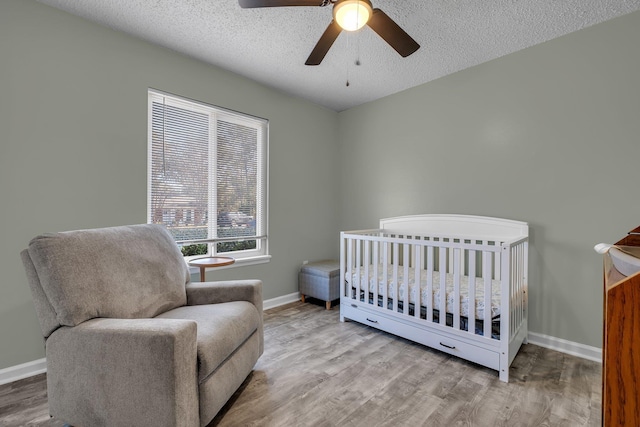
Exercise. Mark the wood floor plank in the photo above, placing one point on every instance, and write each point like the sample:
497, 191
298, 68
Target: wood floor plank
317, 371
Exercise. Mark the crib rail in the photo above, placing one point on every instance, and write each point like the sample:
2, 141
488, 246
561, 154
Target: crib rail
475, 288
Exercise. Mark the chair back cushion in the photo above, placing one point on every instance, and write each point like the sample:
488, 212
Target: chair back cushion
133, 271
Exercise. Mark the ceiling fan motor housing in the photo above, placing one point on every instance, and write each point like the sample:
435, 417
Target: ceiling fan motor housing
352, 15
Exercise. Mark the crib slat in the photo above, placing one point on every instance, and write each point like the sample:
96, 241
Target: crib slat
496, 266
449, 258
524, 280
366, 262
394, 266
343, 267
358, 265
350, 265
486, 274
443, 283
406, 252
456, 288
521, 279
514, 309
521, 261
472, 292
376, 274
385, 274
429, 302
418, 283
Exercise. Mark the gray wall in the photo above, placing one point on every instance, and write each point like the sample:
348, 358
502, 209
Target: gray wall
549, 135
73, 150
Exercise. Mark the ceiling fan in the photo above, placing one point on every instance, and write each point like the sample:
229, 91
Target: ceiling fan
348, 15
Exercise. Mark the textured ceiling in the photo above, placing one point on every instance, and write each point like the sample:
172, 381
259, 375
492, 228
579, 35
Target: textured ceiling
270, 45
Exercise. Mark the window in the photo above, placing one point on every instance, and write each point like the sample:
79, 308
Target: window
207, 180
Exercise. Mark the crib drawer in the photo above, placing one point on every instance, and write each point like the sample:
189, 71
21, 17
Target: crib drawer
421, 333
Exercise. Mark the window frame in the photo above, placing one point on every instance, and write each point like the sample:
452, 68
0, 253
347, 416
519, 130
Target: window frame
215, 113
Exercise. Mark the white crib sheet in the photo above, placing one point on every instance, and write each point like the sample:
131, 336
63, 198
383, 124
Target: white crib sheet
464, 289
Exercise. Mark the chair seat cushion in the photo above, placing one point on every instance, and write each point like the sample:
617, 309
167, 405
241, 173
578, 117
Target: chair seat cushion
221, 329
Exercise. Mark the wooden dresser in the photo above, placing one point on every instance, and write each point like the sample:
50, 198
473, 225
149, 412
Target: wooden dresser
621, 344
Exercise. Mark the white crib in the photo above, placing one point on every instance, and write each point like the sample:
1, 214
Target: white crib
393, 279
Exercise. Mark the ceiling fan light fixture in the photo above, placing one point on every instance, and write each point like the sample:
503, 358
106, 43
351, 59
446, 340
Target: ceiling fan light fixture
352, 15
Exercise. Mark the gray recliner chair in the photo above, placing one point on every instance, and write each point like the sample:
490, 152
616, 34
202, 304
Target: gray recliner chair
129, 340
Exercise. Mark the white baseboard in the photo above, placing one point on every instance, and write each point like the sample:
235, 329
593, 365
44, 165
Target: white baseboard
278, 301
25, 370
569, 347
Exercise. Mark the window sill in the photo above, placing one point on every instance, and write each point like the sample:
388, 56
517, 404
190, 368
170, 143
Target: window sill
240, 262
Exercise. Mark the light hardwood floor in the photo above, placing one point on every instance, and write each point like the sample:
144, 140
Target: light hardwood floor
317, 371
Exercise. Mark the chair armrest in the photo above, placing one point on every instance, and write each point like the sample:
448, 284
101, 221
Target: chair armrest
124, 372
225, 291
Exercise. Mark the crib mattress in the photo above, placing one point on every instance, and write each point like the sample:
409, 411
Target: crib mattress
424, 295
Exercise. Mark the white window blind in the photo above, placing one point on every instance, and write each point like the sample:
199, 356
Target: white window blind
208, 177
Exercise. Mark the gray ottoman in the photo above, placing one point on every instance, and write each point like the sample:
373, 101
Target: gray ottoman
320, 279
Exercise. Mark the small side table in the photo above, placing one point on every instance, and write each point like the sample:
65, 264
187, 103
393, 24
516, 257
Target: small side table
210, 262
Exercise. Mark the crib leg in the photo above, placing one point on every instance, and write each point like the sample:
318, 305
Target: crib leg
504, 375
504, 367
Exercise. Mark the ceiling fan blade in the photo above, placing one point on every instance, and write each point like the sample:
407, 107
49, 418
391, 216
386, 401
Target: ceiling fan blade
324, 44
391, 32
248, 4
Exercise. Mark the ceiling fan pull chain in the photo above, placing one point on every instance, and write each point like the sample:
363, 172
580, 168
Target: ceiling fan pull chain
348, 50
357, 49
